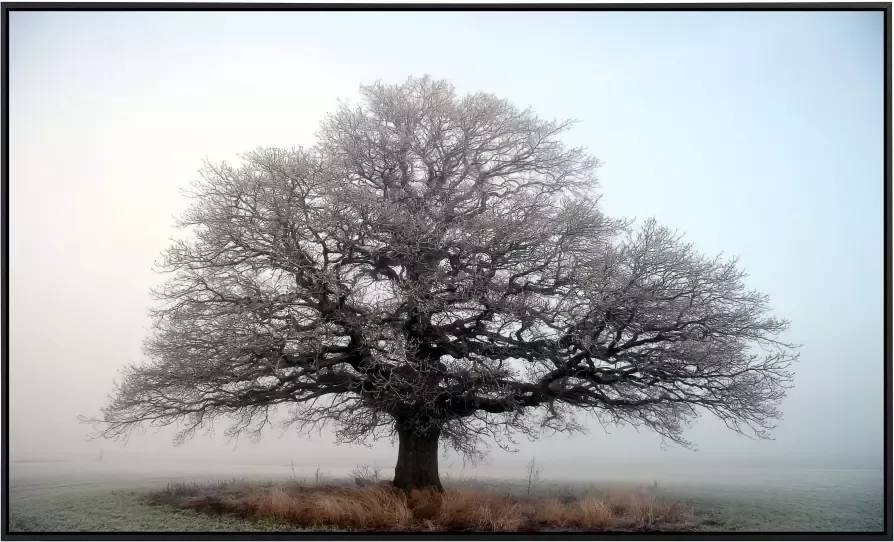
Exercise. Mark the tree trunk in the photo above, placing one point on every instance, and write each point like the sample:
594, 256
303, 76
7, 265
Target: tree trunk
417, 461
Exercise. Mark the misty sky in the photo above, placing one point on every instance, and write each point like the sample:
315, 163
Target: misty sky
756, 134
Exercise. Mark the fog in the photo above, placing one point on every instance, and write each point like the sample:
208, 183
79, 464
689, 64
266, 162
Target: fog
756, 134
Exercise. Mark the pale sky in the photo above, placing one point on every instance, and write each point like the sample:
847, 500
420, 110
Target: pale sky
756, 134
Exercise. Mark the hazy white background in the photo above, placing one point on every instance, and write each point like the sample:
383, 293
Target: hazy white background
758, 134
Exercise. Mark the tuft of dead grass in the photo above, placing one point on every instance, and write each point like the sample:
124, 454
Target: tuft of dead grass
384, 508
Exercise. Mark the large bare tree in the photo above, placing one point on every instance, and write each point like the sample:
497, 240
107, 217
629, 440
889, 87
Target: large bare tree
436, 269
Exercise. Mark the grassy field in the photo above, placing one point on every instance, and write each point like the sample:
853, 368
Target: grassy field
462, 507
114, 511
790, 509
45, 498
471, 509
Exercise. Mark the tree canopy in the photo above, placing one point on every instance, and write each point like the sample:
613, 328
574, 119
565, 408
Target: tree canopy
438, 268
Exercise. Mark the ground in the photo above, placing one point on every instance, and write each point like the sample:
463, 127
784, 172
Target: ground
114, 511
122, 510
45, 498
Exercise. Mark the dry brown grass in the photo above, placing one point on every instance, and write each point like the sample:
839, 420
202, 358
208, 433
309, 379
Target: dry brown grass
387, 509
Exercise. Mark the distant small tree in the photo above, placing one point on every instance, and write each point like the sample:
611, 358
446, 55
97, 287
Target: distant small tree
365, 475
436, 269
533, 474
